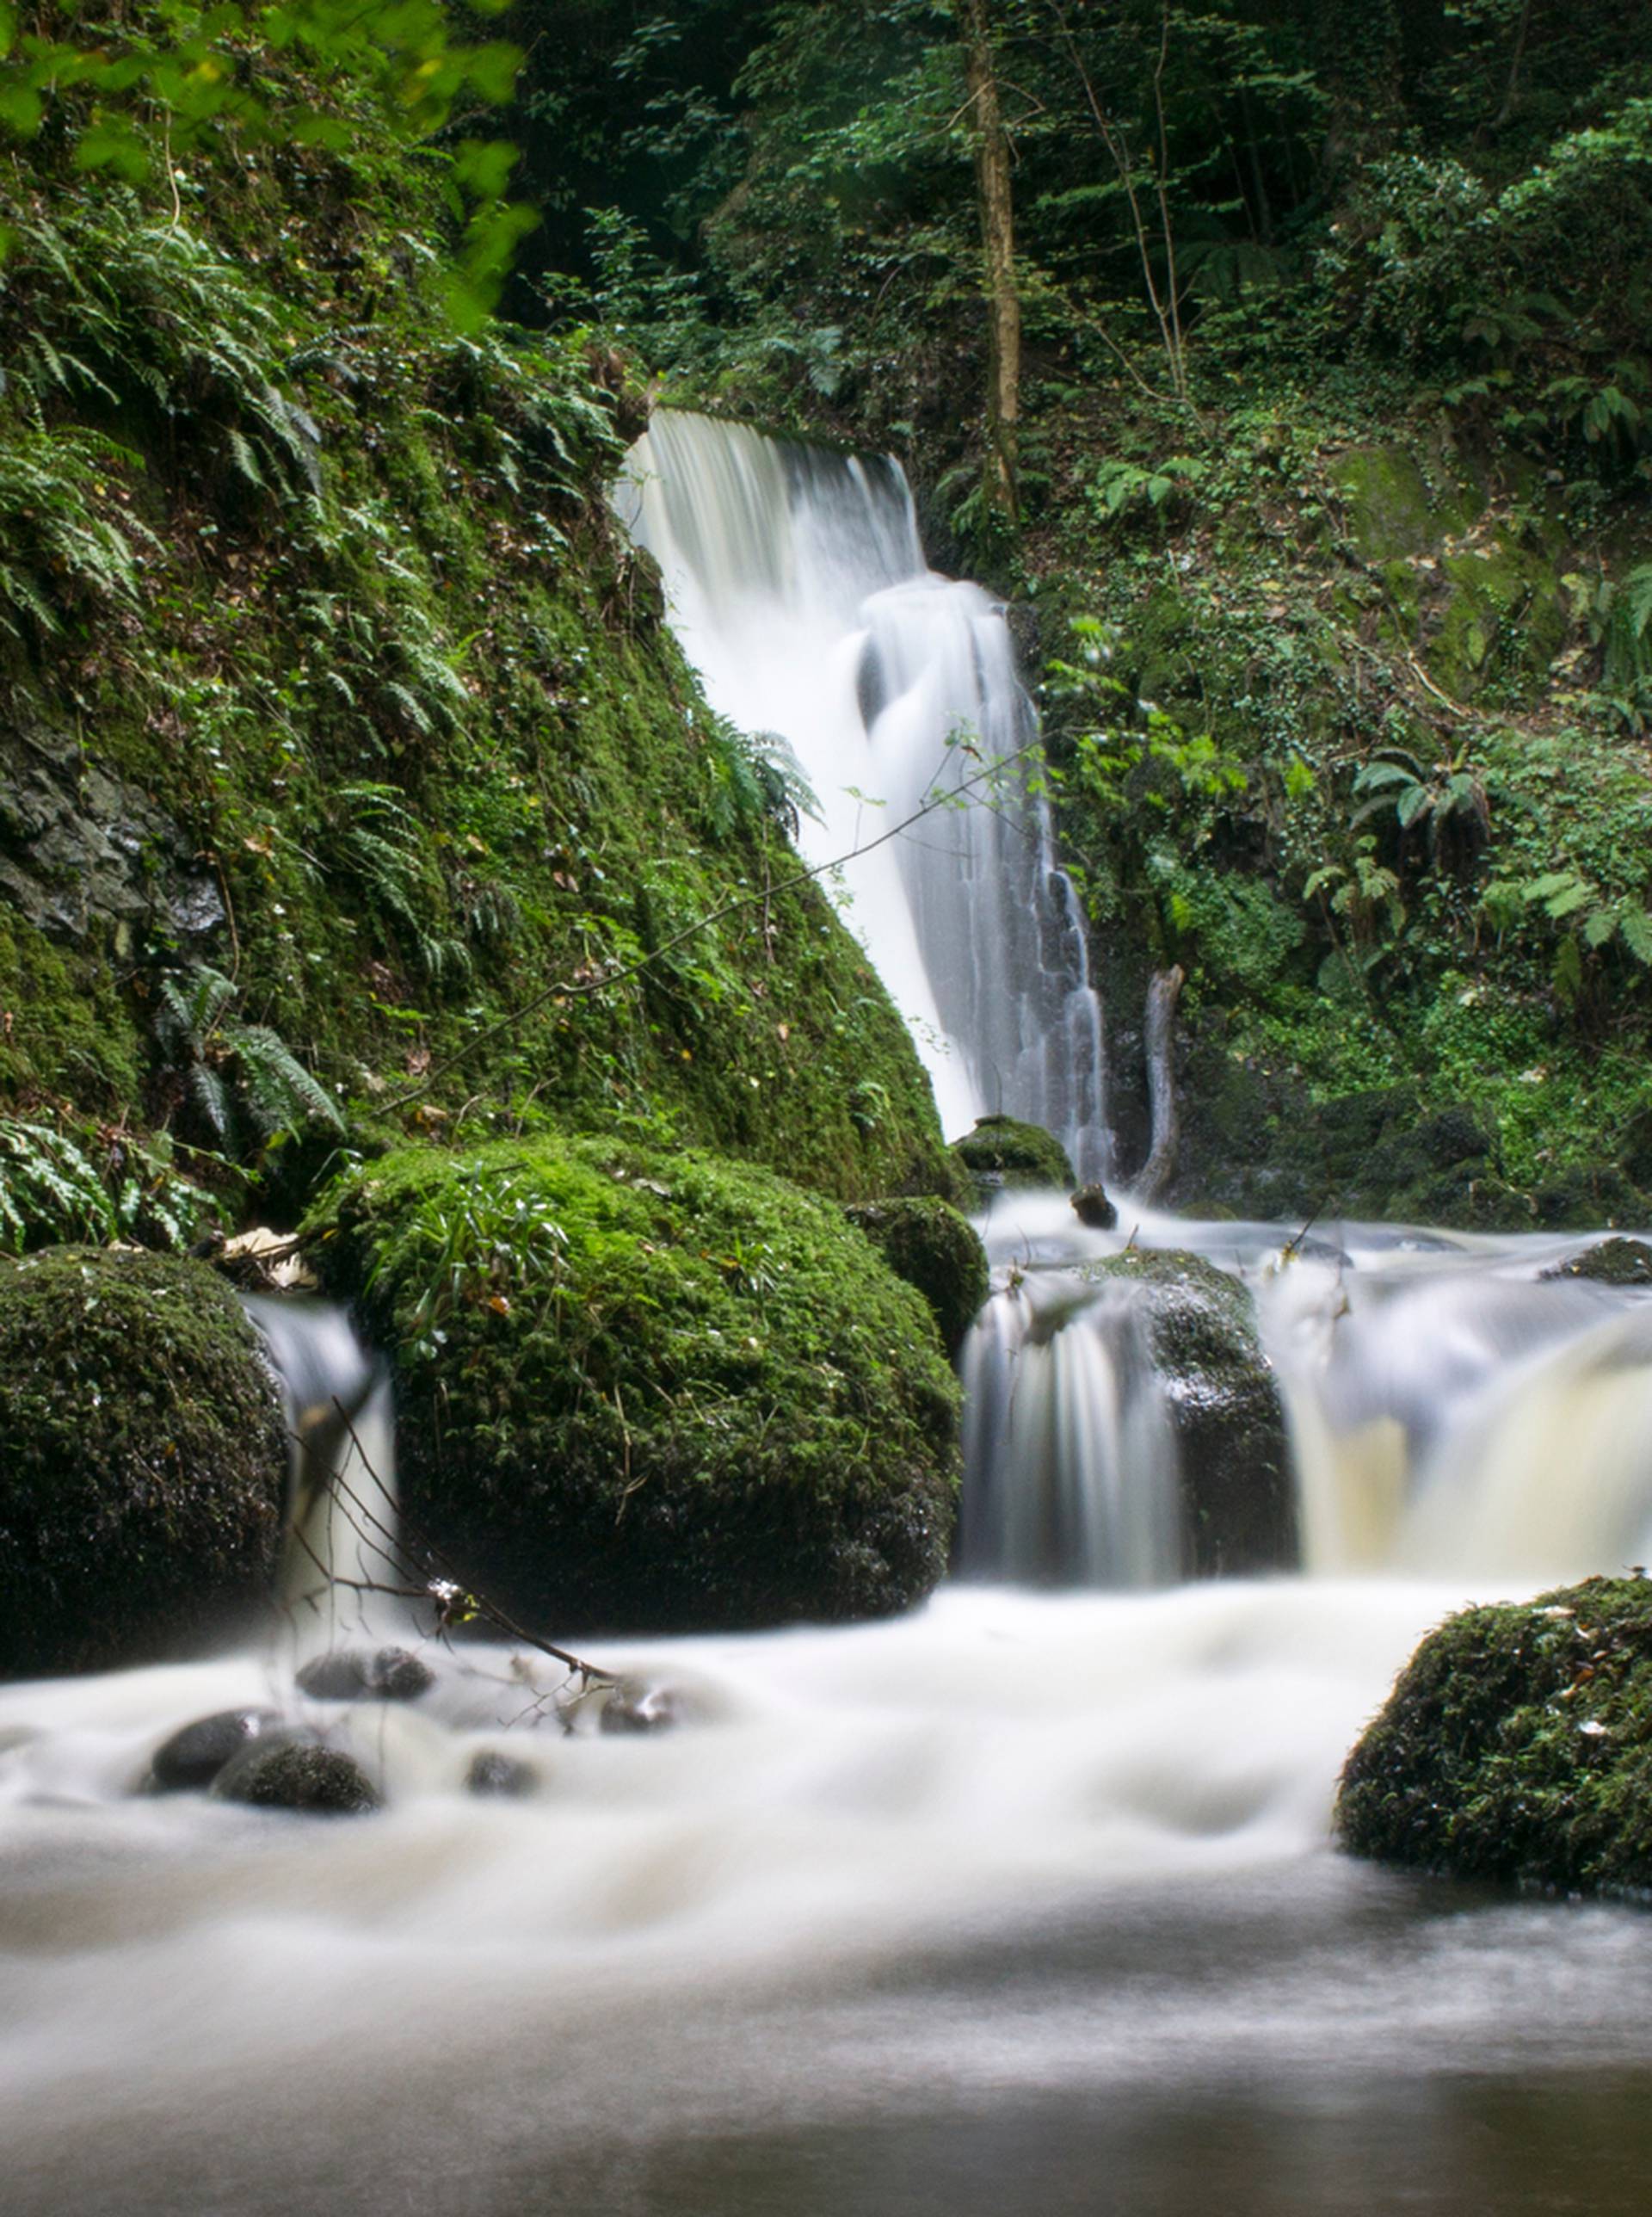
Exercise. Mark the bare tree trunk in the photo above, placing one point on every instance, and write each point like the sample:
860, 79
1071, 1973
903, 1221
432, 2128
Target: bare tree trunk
990, 144
1165, 1119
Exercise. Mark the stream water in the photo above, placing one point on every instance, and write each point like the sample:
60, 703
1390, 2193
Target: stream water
1024, 1901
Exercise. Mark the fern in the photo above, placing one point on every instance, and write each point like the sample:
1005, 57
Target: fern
239, 1074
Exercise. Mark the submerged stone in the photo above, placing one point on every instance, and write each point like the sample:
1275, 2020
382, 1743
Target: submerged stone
638, 1709
1517, 1745
195, 1753
500, 1777
1239, 1506
348, 1674
285, 1772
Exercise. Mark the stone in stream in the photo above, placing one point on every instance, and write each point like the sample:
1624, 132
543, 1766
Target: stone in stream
283, 1771
195, 1753
1003, 1152
936, 1250
1094, 1208
350, 1674
638, 1709
500, 1777
1608, 1262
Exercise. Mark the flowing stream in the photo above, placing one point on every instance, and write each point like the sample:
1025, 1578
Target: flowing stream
1024, 1901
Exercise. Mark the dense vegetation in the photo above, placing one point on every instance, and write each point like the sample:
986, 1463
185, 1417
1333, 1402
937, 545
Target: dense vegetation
1329, 467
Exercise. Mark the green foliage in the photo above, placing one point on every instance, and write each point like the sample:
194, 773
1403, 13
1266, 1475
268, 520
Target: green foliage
1120, 486
53, 1191
62, 556
246, 1084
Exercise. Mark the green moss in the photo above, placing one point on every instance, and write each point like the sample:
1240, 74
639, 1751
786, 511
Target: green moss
639, 1388
1391, 507
1238, 1497
1517, 1745
1610, 1263
141, 1487
1503, 622
1000, 1152
63, 1026
929, 1244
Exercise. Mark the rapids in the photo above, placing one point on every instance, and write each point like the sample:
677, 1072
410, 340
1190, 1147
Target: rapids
1024, 1901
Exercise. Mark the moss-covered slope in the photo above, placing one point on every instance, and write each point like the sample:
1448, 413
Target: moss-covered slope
324, 673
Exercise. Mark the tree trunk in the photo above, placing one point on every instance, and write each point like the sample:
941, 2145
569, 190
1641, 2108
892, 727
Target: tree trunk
1161, 996
990, 144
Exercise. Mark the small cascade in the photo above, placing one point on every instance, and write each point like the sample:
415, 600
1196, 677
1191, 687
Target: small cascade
1070, 1467
797, 586
341, 1508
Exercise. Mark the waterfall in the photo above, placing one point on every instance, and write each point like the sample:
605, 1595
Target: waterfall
798, 586
342, 1507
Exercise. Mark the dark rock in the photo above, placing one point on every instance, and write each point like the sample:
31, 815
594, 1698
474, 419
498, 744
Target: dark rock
1000, 1152
1239, 1504
281, 1771
501, 1777
1514, 1747
1590, 1195
935, 1249
349, 1674
80, 850
1609, 1262
194, 1755
145, 1462
638, 1709
1093, 1209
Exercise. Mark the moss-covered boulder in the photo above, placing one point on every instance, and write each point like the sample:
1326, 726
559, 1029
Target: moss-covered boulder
1239, 1509
935, 1249
144, 1464
1517, 1744
1000, 1152
643, 1390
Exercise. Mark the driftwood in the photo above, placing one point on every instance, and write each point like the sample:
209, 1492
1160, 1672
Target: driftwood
1164, 1117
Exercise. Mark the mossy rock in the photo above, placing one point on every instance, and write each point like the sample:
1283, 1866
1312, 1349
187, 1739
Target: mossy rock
1000, 1152
1239, 1508
140, 1493
1609, 1262
651, 1390
1517, 1745
934, 1249
1389, 507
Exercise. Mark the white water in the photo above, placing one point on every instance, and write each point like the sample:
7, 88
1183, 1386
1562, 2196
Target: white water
1026, 1901
798, 589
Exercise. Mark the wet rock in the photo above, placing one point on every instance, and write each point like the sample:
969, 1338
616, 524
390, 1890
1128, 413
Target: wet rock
1093, 1209
144, 1464
934, 1249
499, 1776
283, 1772
1514, 1747
351, 1674
1000, 1152
1239, 1503
193, 1756
638, 1709
1609, 1262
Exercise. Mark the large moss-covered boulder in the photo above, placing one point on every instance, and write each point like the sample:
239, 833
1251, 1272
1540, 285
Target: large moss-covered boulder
143, 1459
1517, 1744
935, 1249
648, 1391
1000, 1152
1239, 1509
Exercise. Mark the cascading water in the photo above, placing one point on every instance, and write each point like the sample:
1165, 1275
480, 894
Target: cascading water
1025, 1899
799, 588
